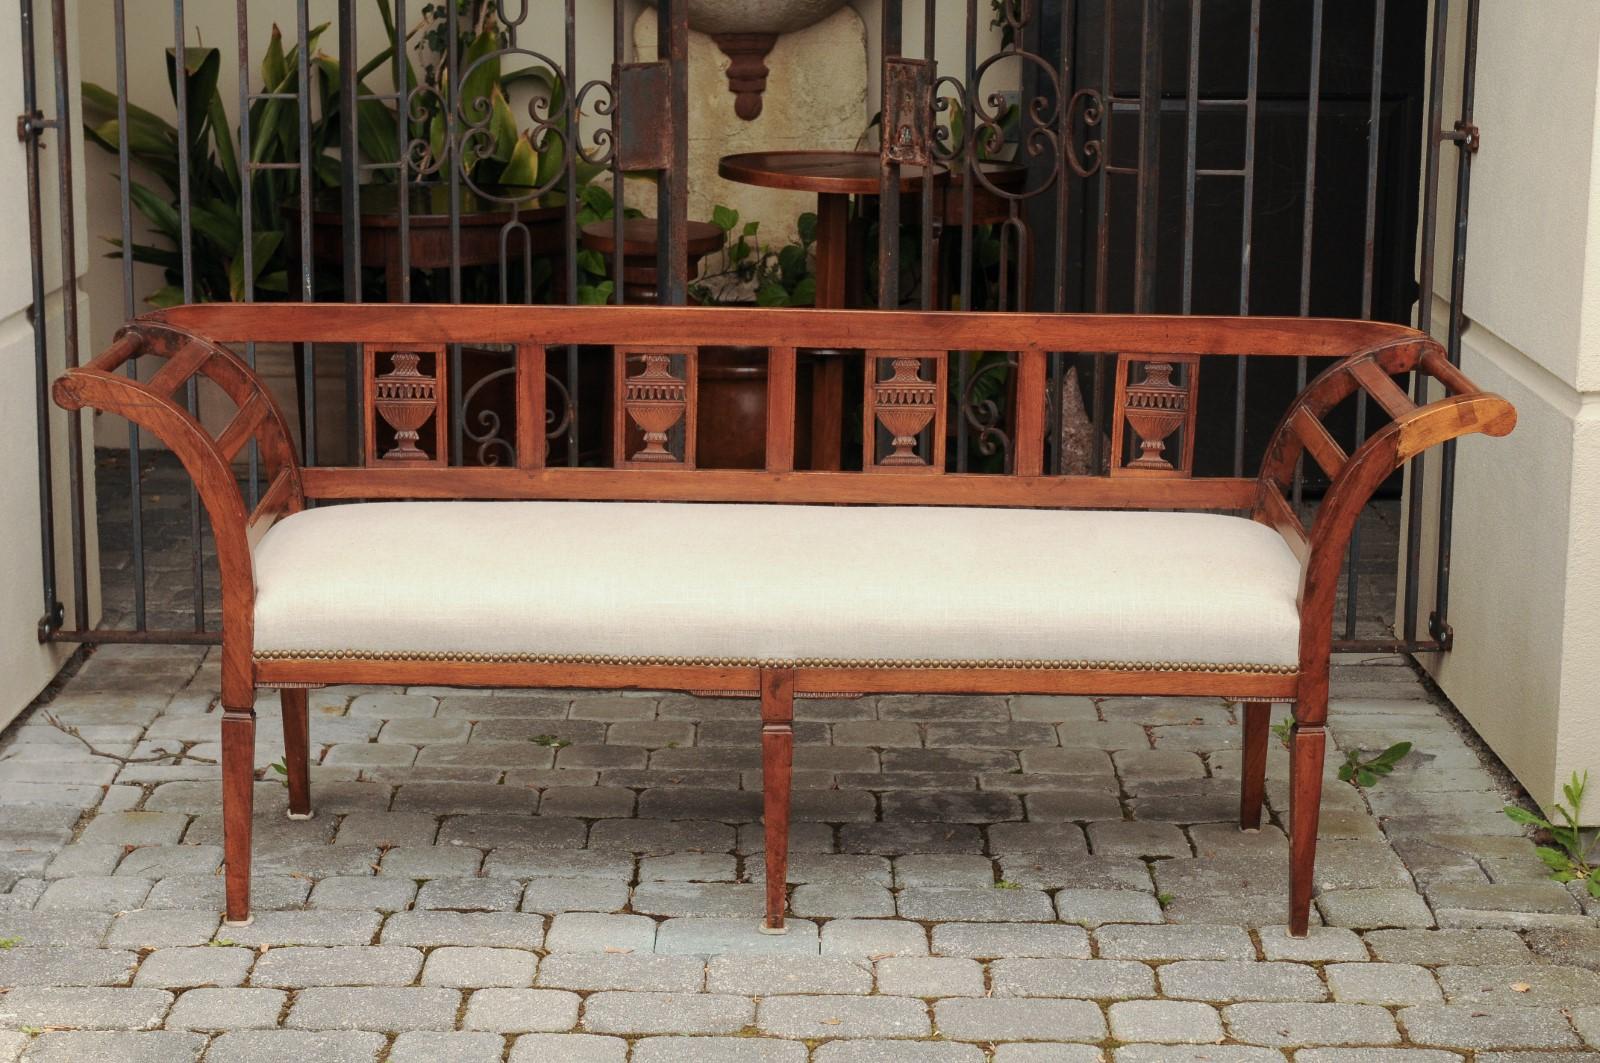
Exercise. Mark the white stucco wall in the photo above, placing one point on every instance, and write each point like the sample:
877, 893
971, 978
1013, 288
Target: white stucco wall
1525, 669
25, 665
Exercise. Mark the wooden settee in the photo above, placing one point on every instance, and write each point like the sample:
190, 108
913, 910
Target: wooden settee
654, 574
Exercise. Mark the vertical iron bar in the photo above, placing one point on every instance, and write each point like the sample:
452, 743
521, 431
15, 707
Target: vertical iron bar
403, 91
1430, 220
125, 206
1369, 254
672, 191
247, 221
930, 265
1146, 224
1191, 149
350, 207
455, 160
569, 217
968, 149
1439, 623
308, 290
1099, 384
619, 209
889, 181
186, 256
1247, 228
1058, 362
52, 619
1309, 210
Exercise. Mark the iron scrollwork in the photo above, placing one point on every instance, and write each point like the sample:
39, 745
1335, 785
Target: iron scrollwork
486, 429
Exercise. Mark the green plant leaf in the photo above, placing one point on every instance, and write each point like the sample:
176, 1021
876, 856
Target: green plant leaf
264, 246
438, 129
156, 210
274, 67
1393, 755
596, 294
592, 261
1573, 790
202, 67
522, 169
222, 141
805, 293
772, 294
165, 297
103, 103
1593, 885
1554, 859
215, 222
480, 75
503, 125
1526, 818
724, 218
807, 226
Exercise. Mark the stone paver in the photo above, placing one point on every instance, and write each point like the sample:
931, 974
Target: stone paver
576, 876
521, 1010
1175, 1021
656, 1013
387, 1010
994, 1019
808, 1017
1293, 1025
227, 1009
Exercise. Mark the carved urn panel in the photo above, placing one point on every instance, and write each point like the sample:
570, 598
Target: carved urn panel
1152, 406
904, 403
403, 398
657, 386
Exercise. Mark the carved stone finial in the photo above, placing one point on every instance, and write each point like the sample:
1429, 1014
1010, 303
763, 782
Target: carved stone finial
747, 69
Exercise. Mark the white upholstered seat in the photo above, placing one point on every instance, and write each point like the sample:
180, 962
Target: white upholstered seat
771, 583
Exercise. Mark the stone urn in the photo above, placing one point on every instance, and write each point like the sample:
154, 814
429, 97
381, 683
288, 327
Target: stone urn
746, 30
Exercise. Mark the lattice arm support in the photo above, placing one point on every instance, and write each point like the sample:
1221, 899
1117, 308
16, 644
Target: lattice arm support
151, 404
1356, 476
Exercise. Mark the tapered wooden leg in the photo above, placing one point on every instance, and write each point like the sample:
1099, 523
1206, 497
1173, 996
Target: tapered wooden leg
1306, 750
777, 769
238, 791
1253, 767
297, 750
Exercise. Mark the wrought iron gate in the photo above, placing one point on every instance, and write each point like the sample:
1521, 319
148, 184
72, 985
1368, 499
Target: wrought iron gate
1095, 160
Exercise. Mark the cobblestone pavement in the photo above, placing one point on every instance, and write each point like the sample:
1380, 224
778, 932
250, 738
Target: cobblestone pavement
573, 877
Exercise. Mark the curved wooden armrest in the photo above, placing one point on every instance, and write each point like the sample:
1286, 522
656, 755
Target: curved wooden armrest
1355, 476
208, 460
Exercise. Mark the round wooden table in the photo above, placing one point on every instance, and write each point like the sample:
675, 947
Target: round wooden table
834, 176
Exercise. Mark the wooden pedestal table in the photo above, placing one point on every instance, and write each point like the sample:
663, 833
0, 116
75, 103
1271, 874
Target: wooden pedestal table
834, 176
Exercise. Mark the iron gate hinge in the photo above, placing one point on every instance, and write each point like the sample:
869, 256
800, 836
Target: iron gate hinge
644, 108
1441, 632
52, 622
1466, 136
32, 124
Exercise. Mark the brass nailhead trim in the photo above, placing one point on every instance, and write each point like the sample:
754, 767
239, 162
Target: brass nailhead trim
752, 662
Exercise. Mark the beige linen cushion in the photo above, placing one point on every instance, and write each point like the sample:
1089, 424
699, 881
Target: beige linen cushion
771, 583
